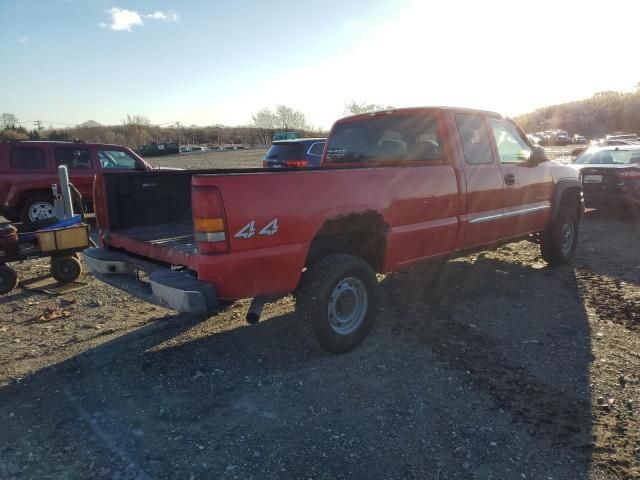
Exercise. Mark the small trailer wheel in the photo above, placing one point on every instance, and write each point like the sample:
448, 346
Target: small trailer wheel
65, 269
8, 279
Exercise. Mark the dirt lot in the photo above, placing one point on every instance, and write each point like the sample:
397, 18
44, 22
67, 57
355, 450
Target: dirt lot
214, 159
489, 366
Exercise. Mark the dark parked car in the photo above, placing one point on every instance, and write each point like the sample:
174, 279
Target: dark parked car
302, 152
562, 138
610, 176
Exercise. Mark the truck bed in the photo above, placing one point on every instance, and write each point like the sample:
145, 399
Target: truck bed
175, 236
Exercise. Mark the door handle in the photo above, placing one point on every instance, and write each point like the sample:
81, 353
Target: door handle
509, 179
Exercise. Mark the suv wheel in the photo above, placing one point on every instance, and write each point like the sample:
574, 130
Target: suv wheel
36, 207
337, 301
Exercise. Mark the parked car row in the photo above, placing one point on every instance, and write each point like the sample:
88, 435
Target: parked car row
561, 138
620, 139
198, 148
556, 137
550, 137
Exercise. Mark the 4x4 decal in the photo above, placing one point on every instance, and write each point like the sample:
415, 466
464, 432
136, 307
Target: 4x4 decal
249, 230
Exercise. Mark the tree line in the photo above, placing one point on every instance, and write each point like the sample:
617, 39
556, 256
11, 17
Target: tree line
136, 130
605, 112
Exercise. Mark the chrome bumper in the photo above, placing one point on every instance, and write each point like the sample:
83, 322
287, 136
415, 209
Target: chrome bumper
156, 284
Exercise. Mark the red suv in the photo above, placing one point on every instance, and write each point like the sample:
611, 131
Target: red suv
29, 168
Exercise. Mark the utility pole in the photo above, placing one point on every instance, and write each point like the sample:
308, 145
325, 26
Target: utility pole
178, 126
38, 125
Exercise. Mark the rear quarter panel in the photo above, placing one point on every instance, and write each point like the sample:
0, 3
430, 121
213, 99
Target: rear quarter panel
419, 206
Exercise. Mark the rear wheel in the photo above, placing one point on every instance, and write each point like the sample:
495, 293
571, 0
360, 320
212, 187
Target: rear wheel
65, 269
36, 207
8, 279
337, 302
560, 238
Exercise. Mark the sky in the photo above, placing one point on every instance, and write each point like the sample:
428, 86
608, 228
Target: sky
208, 62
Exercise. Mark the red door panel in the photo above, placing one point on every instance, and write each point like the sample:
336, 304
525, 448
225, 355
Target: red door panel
527, 201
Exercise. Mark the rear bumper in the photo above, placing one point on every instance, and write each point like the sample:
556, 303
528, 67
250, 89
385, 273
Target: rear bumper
610, 199
162, 286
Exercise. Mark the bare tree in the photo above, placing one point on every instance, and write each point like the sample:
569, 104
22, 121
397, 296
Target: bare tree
289, 119
136, 128
89, 131
8, 121
265, 122
355, 108
10, 134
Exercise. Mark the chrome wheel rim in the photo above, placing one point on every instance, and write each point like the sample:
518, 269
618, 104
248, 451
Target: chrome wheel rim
347, 306
40, 211
566, 238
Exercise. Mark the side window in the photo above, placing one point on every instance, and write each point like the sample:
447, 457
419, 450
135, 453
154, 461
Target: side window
512, 148
73, 158
475, 139
27, 158
316, 149
117, 159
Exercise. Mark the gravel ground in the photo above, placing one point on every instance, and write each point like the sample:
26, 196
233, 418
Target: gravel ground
491, 366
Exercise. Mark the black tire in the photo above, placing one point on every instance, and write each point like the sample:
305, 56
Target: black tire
555, 247
8, 279
33, 200
65, 269
322, 287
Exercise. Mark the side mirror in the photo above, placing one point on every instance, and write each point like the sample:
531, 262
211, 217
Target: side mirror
538, 155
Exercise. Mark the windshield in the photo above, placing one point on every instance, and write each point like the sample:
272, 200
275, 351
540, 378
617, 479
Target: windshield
609, 157
118, 159
402, 137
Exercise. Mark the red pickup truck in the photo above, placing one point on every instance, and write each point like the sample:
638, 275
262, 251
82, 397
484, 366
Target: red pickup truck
28, 169
395, 188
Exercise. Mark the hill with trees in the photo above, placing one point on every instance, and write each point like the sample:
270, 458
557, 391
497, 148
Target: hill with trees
604, 113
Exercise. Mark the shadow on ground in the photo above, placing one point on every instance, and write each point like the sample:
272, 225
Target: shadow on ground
476, 369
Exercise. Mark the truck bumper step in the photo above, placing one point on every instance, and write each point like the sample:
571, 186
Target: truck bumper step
168, 288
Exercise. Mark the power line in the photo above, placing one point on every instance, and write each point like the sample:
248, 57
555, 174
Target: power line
47, 121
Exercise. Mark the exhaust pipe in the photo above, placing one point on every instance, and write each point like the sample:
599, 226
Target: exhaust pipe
255, 310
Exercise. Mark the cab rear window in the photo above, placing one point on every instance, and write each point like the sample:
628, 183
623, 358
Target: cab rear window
27, 158
283, 152
390, 138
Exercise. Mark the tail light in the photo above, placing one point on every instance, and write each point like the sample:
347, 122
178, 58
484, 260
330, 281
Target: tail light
209, 223
629, 173
296, 163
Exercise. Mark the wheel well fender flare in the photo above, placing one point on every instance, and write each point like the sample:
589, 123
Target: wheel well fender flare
368, 222
561, 188
29, 193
